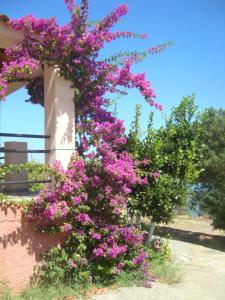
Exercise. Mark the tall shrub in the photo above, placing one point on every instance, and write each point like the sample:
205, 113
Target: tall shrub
209, 192
169, 157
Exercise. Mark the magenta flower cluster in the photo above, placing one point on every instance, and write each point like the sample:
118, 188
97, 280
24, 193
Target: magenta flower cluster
86, 203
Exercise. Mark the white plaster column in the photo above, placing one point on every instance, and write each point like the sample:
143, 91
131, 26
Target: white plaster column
59, 117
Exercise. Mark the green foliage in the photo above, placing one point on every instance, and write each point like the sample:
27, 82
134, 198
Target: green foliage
162, 265
212, 200
210, 191
36, 171
159, 251
57, 268
213, 150
137, 56
60, 268
171, 161
2, 197
159, 198
134, 142
180, 139
44, 293
16, 201
167, 271
130, 278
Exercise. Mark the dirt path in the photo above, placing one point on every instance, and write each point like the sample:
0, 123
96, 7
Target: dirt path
203, 268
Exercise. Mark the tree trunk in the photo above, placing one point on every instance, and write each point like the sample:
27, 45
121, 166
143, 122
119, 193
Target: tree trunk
138, 220
150, 233
130, 217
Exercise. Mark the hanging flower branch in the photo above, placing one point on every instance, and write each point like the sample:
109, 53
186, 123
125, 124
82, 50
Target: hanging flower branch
35, 89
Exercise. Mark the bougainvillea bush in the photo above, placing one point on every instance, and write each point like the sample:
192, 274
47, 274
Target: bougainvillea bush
86, 203
88, 199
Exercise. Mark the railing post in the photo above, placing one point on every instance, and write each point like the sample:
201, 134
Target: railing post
16, 159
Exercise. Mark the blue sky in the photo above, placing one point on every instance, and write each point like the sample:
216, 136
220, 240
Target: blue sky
195, 64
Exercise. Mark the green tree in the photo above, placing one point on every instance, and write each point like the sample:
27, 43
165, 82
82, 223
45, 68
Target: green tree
210, 192
170, 161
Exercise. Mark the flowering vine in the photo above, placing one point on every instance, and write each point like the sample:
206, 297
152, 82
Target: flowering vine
88, 199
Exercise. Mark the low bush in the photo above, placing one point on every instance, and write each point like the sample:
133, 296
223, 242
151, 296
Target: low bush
55, 281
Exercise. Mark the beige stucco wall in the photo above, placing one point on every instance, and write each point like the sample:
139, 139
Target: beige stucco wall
20, 247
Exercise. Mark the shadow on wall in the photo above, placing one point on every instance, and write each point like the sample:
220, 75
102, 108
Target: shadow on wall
15, 230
